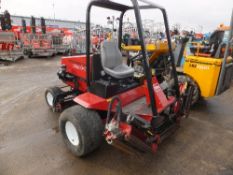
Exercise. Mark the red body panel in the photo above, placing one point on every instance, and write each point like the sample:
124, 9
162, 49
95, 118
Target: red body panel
91, 101
75, 65
162, 101
82, 85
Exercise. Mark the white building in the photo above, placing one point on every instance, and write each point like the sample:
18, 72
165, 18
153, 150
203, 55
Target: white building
17, 20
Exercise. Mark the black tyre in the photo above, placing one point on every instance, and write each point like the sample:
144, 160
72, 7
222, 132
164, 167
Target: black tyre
50, 96
81, 129
196, 93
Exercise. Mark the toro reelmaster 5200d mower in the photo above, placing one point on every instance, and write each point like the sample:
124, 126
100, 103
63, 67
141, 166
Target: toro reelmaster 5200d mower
132, 113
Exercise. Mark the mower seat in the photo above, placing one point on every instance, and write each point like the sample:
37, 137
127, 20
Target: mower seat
112, 61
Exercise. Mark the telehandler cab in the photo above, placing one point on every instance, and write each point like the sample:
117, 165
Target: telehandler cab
134, 114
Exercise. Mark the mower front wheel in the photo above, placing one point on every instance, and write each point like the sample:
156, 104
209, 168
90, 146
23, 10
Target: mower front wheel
82, 130
50, 96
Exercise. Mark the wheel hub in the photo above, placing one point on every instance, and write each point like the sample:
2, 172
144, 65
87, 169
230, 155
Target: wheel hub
72, 133
50, 98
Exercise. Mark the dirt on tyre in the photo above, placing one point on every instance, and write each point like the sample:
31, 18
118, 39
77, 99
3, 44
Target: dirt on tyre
82, 130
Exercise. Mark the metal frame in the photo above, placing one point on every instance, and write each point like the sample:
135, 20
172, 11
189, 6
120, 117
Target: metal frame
123, 8
224, 63
11, 54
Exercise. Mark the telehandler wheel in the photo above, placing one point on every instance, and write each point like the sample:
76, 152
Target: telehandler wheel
50, 94
196, 93
82, 130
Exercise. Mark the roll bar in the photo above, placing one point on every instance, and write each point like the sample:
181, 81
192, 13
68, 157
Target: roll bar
224, 63
123, 8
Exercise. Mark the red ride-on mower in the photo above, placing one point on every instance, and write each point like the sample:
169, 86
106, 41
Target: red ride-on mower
132, 113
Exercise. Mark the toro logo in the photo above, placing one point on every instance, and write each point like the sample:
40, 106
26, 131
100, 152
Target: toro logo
80, 67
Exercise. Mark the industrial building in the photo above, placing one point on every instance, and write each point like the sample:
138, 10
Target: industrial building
16, 20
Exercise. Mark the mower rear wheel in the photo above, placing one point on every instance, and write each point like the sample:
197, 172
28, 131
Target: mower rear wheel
50, 95
82, 130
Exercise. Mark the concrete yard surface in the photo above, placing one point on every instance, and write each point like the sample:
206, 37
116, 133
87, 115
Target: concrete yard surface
30, 142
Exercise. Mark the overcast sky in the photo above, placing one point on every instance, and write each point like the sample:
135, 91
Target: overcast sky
195, 13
